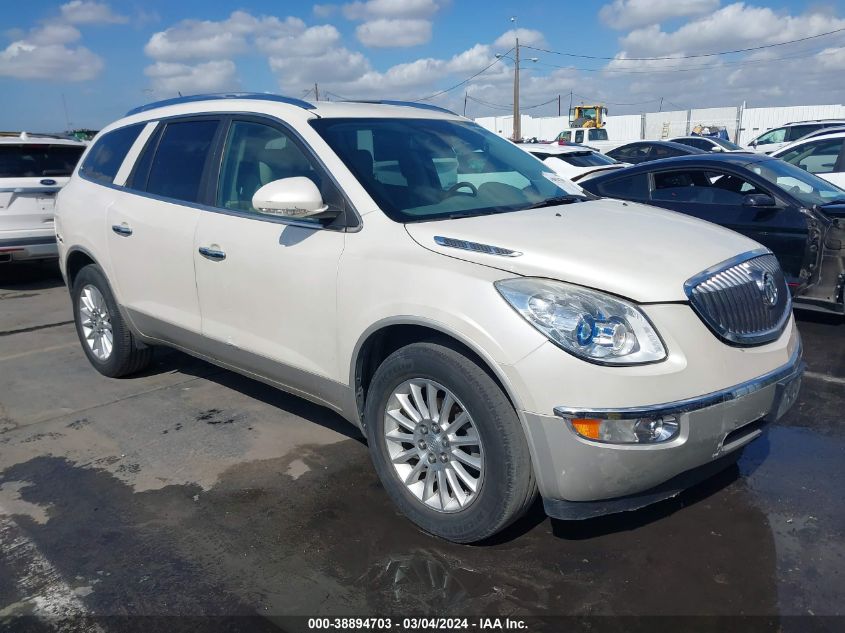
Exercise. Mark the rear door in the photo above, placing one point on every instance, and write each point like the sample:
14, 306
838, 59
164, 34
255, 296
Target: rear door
718, 196
30, 176
151, 225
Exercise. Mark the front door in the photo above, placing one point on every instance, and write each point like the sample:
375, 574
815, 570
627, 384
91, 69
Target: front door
267, 285
717, 196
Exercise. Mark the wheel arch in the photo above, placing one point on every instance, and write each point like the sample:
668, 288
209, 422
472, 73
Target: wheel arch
77, 258
386, 336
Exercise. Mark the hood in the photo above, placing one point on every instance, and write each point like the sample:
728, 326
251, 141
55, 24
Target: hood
628, 249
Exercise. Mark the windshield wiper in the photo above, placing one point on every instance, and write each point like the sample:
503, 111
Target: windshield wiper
552, 202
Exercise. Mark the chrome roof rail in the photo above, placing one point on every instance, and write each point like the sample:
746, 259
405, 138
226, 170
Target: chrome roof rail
407, 104
259, 96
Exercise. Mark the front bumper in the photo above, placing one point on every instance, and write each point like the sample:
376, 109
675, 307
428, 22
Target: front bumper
24, 248
581, 478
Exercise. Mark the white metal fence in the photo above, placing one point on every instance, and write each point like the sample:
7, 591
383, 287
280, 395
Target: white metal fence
742, 124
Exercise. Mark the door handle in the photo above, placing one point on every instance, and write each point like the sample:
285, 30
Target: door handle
212, 253
122, 229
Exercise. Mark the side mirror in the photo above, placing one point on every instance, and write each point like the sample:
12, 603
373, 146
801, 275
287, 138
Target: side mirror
296, 197
752, 144
758, 200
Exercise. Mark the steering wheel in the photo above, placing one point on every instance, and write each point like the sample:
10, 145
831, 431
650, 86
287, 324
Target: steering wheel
453, 190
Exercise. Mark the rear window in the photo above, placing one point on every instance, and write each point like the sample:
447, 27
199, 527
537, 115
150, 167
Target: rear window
586, 159
38, 161
105, 158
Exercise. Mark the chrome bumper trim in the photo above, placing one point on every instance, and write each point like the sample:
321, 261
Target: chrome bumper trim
794, 367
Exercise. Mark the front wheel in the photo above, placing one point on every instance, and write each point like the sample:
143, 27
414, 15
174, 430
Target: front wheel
106, 339
447, 444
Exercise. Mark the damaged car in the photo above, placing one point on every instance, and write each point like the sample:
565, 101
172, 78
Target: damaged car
797, 215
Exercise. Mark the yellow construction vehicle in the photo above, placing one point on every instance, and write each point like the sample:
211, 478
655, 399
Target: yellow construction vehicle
588, 116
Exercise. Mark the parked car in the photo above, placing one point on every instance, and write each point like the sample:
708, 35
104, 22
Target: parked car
709, 143
772, 140
572, 161
596, 138
32, 169
492, 330
643, 151
798, 216
821, 155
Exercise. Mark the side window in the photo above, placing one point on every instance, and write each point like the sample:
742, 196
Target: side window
817, 157
579, 136
628, 188
564, 136
104, 159
256, 154
797, 131
177, 168
778, 135
698, 143
700, 187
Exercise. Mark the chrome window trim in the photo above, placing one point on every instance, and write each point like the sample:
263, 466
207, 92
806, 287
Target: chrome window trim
246, 215
794, 367
759, 338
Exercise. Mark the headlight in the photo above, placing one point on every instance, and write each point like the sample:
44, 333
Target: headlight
589, 324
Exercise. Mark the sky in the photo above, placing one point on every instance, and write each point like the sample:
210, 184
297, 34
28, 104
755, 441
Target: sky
84, 63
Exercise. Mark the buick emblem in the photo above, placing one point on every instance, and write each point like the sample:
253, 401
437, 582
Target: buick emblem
769, 288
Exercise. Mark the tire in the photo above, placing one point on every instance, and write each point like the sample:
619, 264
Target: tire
125, 356
505, 486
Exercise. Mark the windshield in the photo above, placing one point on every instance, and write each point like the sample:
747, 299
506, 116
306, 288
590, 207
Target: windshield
425, 169
725, 144
585, 159
30, 160
806, 187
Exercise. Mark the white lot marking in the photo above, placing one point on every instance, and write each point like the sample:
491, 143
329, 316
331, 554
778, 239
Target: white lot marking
39, 351
825, 377
47, 595
297, 468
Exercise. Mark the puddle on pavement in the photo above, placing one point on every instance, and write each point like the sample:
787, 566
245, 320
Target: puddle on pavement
313, 532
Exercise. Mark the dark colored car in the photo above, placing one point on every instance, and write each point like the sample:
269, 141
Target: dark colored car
642, 151
798, 216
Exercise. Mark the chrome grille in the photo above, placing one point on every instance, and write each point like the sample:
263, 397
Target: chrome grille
745, 300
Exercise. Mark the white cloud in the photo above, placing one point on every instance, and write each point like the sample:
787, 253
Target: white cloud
733, 26
334, 67
87, 12
212, 76
45, 54
207, 39
388, 33
324, 11
526, 36
314, 40
395, 9
626, 14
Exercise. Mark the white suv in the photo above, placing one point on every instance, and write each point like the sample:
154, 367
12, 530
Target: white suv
493, 330
32, 170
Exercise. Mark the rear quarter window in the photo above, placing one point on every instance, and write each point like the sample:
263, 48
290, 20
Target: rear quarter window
105, 158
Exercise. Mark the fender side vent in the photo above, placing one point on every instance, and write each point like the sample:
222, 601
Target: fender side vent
452, 242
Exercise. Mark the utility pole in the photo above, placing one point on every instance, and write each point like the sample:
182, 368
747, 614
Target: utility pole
67, 118
316, 93
466, 94
660, 109
558, 105
517, 124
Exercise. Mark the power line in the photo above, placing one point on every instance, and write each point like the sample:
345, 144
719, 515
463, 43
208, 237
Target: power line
730, 52
688, 69
465, 81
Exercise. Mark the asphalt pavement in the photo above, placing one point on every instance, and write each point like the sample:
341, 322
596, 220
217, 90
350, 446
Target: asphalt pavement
190, 490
